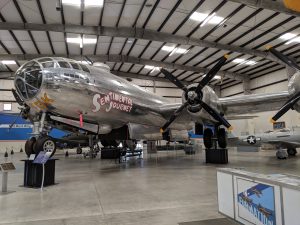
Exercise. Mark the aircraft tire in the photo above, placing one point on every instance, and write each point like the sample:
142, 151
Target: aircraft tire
29, 146
46, 144
207, 138
222, 138
291, 151
79, 150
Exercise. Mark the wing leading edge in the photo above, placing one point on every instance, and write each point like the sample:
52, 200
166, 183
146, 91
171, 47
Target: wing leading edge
253, 103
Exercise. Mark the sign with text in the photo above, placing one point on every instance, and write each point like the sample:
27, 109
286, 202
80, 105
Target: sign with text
42, 157
7, 166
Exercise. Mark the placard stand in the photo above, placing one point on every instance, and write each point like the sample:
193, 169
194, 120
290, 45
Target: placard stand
5, 167
39, 172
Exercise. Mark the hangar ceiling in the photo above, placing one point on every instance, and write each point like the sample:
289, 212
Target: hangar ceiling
135, 37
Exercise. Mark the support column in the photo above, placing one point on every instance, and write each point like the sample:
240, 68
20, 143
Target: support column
246, 86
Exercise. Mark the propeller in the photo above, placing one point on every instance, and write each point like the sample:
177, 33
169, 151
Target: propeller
194, 96
295, 98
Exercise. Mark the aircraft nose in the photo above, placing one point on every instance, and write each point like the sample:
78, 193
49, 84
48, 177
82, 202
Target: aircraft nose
28, 80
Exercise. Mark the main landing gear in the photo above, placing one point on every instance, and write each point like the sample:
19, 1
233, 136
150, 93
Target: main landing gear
36, 145
219, 139
40, 141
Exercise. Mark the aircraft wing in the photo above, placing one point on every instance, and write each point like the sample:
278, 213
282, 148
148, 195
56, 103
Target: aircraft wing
284, 144
252, 103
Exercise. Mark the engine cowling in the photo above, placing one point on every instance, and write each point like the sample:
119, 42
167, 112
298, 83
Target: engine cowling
294, 88
207, 95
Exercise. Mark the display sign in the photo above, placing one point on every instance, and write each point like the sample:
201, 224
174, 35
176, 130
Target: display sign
7, 166
278, 125
256, 202
42, 157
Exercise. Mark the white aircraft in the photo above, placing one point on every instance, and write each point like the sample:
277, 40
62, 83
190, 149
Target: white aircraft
288, 139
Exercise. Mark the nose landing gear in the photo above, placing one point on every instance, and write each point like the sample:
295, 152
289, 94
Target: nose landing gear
43, 143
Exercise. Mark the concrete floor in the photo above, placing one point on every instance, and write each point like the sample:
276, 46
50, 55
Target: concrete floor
174, 189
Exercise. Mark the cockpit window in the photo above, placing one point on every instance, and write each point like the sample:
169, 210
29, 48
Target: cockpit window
29, 79
85, 68
75, 66
48, 65
63, 64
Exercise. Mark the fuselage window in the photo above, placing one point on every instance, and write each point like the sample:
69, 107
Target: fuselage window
76, 76
48, 65
75, 66
64, 64
85, 68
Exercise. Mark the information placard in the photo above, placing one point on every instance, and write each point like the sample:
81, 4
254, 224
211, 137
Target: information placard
42, 157
8, 166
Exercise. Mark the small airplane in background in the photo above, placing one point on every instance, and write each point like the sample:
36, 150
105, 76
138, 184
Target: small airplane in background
282, 139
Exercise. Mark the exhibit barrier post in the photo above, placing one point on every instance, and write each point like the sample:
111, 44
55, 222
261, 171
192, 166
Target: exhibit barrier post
4, 181
43, 177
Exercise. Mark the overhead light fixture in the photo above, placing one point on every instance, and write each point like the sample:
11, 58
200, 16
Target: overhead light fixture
288, 36
81, 41
244, 61
89, 40
205, 18
71, 2
8, 62
93, 3
87, 3
238, 60
217, 77
152, 68
168, 48
250, 62
216, 20
173, 50
148, 67
198, 16
296, 39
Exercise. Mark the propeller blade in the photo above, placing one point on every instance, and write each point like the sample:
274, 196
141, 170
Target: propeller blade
210, 75
216, 115
286, 107
173, 79
173, 117
290, 62
13, 123
17, 97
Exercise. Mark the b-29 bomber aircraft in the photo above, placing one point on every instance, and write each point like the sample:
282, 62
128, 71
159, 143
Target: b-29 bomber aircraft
66, 94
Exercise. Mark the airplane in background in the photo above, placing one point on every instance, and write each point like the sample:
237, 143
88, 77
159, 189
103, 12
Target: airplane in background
282, 139
63, 93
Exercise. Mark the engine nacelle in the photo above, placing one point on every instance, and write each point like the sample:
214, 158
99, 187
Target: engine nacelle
294, 88
208, 96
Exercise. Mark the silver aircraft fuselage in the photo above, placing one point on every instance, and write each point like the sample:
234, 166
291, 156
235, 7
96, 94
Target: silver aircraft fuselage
92, 93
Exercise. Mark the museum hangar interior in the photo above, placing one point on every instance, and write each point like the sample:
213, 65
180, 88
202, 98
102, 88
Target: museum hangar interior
149, 112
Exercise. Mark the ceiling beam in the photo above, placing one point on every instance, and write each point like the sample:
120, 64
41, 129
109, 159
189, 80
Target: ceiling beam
277, 6
129, 32
125, 59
